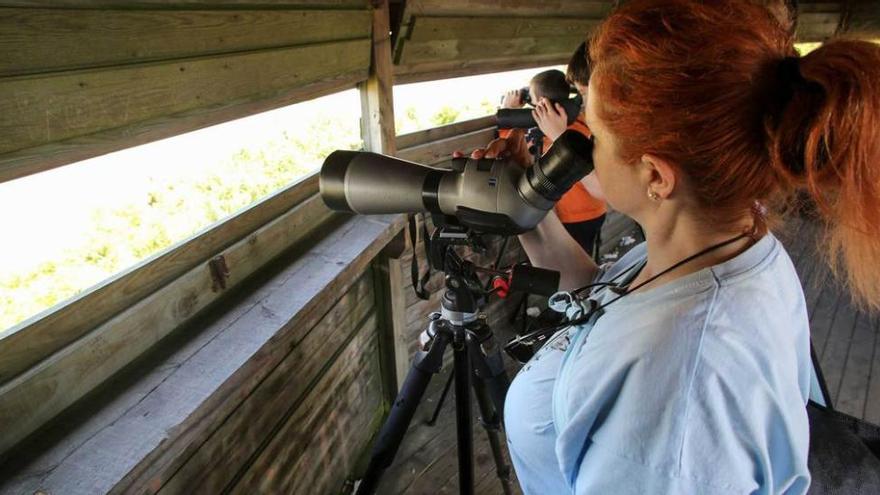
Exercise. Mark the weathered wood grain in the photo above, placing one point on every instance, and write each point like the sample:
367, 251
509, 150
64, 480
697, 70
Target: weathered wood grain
441, 151
434, 70
853, 391
485, 48
317, 446
54, 154
68, 105
184, 4
444, 132
463, 28
377, 101
213, 466
43, 40
872, 400
510, 8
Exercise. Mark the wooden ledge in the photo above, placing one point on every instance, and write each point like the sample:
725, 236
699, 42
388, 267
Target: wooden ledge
147, 424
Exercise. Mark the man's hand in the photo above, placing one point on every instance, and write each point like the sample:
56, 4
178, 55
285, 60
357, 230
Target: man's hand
551, 118
512, 99
513, 147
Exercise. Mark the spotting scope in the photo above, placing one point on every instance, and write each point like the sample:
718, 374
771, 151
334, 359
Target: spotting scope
486, 195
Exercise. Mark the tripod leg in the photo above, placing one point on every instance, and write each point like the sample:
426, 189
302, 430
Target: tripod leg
425, 365
490, 387
439, 406
491, 422
463, 415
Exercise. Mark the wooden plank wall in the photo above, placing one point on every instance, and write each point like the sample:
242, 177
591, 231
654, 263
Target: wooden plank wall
322, 402
82, 78
445, 38
818, 21
863, 19
278, 391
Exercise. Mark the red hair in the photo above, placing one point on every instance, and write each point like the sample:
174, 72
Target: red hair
717, 89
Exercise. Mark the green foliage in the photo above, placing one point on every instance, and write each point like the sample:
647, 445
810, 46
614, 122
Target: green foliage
412, 120
445, 115
170, 212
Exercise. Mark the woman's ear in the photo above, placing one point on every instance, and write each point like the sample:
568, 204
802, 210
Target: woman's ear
661, 176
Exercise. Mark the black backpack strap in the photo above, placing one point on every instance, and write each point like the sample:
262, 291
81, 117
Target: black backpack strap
419, 283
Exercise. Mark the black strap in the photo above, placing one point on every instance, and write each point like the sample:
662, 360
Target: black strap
622, 291
418, 283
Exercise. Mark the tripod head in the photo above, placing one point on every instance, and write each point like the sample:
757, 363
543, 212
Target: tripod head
464, 291
464, 274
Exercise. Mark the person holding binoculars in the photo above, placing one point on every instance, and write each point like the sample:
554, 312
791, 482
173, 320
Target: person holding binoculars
582, 209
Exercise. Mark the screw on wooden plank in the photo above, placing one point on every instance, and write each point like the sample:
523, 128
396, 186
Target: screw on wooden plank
219, 273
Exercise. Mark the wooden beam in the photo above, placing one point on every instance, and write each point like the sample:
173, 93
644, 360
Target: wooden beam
185, 4
510, 8
35, 339
482, 49
463, 28
443, 132
377, 100
441, 151
817, 26
72, 104
433, 71
51, 155
42, 40
43, 391
391, 303
812, 7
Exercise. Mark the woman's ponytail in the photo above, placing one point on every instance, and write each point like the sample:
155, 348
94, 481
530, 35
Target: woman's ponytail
826, 140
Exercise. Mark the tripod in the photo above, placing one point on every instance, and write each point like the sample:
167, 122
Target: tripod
477, 363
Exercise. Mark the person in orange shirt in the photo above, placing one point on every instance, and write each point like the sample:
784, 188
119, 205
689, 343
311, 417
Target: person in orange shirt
582, 209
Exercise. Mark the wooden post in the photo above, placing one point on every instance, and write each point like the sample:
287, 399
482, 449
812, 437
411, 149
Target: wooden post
377, 129
377, 103
391, 304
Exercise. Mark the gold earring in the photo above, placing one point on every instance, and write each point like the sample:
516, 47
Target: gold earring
653, 195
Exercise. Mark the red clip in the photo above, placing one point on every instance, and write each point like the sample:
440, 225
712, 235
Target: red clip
500, 286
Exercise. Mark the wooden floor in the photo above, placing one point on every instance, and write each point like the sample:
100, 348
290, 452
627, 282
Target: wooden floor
844, 338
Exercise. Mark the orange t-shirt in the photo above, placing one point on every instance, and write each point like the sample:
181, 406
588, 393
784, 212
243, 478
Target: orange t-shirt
576, 205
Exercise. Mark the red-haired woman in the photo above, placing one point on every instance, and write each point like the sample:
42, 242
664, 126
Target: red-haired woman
689, 369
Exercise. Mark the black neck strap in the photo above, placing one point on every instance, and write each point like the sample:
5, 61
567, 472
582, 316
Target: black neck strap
595, 307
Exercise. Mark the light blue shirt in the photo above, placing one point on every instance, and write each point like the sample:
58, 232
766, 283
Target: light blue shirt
698, 386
